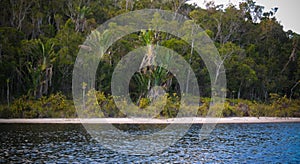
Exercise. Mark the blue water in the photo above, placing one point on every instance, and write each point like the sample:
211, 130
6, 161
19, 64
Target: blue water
228, 143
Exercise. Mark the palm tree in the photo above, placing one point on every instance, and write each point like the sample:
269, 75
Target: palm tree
41, 68
151, 75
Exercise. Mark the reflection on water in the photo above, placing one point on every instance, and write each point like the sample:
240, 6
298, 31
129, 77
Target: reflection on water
228, 143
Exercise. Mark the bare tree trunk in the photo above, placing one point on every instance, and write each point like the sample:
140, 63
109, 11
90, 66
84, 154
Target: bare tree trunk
219, 66
266, 95
189, 73
83, 96
239, 92
219, 30
7, 92
0, 53
126, 7
19, 11
190, 61
293, 89
292, 56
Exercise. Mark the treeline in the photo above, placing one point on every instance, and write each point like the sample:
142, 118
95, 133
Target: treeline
39, 41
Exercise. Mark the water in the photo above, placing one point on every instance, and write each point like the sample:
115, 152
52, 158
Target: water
228, 143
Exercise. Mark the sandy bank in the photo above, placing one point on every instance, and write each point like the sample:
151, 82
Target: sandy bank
195, 120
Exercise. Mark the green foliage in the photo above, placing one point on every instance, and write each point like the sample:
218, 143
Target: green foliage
38, 48
54, 106
144, 102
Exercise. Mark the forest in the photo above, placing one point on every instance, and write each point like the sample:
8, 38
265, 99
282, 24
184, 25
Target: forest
40, 41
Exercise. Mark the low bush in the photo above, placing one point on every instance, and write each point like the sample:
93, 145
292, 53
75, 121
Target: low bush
54, 106
58, 106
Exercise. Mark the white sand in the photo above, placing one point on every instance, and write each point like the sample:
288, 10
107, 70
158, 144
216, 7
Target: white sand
188, 120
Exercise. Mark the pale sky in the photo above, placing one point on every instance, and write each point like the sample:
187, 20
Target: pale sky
288, 13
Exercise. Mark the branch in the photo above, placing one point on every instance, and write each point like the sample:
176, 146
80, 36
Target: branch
292, 56
293, 89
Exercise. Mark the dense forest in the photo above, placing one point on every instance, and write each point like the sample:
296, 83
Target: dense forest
41, 39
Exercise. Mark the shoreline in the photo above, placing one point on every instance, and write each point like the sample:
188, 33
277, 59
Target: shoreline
185, 120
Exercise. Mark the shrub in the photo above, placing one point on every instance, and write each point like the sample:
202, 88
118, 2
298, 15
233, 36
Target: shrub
56, 105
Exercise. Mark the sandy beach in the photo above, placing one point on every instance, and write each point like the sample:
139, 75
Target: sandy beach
187, 120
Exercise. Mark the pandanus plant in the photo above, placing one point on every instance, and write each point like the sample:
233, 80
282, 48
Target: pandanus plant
150, 75
41, 66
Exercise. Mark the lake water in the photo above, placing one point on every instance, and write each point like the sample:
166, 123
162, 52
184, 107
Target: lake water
228, 143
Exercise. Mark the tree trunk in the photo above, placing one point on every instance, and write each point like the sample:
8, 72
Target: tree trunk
190, 61
239, 92
293, 89
7, 92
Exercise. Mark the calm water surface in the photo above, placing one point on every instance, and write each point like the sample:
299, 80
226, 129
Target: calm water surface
228, 143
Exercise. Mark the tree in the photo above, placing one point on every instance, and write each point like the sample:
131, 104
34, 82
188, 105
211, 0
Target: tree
40, 65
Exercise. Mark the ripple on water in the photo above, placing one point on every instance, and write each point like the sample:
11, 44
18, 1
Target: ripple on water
228, 143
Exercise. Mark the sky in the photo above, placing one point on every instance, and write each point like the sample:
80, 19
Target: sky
288, 13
